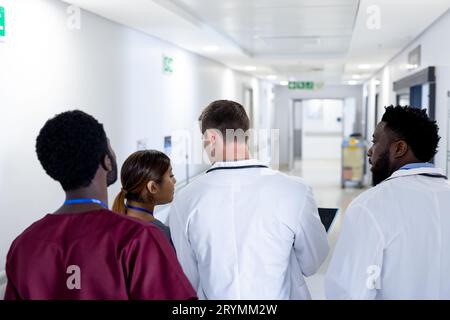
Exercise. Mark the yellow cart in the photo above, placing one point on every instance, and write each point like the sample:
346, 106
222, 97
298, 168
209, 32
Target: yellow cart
353, 161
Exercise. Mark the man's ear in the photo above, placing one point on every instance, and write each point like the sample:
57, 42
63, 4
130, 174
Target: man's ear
211, 135
152, 187
400, 149
106, 163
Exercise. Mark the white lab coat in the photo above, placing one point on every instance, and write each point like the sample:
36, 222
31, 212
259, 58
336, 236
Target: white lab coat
395, 241
249, 233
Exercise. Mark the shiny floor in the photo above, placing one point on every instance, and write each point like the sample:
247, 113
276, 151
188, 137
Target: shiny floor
324, 176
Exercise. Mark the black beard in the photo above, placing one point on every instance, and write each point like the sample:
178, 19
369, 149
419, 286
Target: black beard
381, 170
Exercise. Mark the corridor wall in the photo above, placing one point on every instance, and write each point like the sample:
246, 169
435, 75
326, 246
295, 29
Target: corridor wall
108, 70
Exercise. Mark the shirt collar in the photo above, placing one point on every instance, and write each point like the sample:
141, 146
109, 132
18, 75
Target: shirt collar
430, 171
410, 166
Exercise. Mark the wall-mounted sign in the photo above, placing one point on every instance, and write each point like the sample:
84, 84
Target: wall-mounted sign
305, 85
2, 22
414, 58
167, 64
168, 145
141, 144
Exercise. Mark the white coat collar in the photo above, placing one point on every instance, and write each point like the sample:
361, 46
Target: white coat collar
418, 171
238, 164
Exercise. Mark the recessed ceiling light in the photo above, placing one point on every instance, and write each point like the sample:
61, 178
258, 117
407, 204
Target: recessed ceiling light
284, 83
364, 67
353, 83
356, 76
210, 48
271, 77
250, 68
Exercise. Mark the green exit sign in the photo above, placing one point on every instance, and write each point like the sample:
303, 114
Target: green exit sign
167, 64
2, 21
301, 85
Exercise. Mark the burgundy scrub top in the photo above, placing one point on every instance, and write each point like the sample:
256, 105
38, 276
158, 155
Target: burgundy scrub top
94, 255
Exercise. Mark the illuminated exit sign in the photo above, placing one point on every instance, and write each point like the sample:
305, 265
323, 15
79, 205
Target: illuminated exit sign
167, 64
305, 85
2, 22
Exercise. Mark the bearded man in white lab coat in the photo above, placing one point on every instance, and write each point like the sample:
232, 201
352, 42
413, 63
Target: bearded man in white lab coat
242, 230
395, 240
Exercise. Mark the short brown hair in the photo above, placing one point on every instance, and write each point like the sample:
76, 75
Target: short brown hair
222, 115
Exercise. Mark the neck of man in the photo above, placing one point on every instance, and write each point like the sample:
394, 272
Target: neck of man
407, 159
236, 152
143, 216
96, 190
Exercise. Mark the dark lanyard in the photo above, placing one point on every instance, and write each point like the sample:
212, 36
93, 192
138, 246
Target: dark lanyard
86, 200
139, 209
238, 167
431, 175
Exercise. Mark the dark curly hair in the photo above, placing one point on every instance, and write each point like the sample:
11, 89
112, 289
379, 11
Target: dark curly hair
416, 128
70, 148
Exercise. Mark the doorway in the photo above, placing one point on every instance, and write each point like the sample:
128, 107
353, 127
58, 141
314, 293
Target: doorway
322, 128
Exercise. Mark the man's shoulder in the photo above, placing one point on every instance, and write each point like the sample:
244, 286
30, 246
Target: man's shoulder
104, 221
128, 227
275, 183
284, 181
367, 196
196, 185
373, 202
267, 176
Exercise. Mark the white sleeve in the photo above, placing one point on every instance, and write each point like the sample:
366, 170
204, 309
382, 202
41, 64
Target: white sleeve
311, 243
180, 238
355, 268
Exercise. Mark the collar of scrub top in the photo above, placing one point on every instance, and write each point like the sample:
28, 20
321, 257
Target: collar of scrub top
418, 169
236, 165
86, 200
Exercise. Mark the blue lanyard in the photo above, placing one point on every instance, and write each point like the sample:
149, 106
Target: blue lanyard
86, 200
139, 209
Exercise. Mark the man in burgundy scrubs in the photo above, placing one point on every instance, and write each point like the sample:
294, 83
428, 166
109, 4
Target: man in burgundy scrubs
83, 250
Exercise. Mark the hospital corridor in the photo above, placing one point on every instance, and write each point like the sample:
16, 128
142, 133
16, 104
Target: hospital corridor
230, 157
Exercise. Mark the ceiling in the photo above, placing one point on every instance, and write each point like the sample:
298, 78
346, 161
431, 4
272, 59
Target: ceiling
316, 40
287, 27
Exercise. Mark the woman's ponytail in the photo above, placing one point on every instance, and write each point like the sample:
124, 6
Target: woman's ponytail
119, 203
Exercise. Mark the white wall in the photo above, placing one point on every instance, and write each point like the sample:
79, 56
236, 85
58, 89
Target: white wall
283, 111
105, 69
435, 52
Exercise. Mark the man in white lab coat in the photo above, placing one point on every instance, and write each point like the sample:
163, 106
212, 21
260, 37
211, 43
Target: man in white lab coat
242, 230
395, 240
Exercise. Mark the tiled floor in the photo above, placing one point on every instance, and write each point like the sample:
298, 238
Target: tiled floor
324, 176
